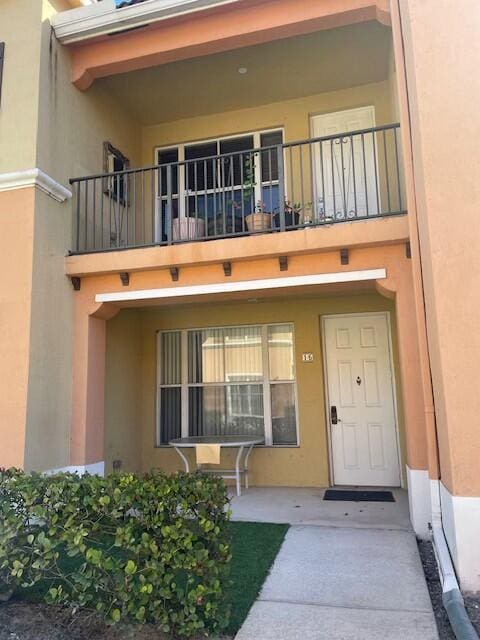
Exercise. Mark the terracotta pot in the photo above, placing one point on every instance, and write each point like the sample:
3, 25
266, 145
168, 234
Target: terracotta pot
188, 228
259, 221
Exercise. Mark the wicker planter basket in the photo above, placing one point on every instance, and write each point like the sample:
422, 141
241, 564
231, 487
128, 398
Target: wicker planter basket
188, 228
259, 221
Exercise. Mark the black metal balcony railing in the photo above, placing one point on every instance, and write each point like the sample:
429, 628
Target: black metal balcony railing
338, 178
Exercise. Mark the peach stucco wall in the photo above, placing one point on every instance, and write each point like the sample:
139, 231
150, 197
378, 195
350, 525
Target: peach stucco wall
400, 90
445, 131
16, 255
383, 231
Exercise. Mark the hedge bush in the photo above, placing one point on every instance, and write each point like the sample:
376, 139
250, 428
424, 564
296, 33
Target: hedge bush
152, 548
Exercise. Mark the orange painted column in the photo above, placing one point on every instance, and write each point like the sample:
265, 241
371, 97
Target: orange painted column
419, 446
418, 304
442, 98
398, 286
87, 426
17, 212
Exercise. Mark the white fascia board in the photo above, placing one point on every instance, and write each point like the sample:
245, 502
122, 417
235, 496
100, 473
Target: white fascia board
243, 285
34, 178
104, 18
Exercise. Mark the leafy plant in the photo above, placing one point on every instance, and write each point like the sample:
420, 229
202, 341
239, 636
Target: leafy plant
152, 548
295, 208
249, 181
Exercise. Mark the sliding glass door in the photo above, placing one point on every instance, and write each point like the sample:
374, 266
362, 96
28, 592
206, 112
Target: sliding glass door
219, 181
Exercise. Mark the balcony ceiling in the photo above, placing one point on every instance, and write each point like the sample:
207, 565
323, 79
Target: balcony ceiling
281, 70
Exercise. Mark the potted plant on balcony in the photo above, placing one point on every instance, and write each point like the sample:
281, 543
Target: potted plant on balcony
225, 224
293, 214
189, 227
260, 219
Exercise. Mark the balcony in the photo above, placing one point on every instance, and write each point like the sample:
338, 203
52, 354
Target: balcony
248, 189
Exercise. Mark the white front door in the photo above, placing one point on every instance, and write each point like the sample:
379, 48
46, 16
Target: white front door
345, 174
360, 399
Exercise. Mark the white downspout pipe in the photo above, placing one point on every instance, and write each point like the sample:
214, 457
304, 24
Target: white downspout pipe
451, 595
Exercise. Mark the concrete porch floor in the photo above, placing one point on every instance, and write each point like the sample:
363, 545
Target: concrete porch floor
306, 506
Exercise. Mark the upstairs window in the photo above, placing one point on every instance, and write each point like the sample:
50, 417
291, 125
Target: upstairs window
114, 161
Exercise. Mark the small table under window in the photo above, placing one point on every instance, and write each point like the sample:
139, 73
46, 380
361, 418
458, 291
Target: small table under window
244, 444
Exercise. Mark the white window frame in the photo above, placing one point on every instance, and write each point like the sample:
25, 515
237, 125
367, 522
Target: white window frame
266, 382
182, 191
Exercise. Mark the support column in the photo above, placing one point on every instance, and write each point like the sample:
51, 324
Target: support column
87, 426
17, 209
446, 222
417, 444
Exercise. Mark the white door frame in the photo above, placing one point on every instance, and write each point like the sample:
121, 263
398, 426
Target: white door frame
386, 315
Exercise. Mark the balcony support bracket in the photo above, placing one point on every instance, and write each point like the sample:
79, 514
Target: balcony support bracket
344, 257
125, 278
227, 268
76, 283
174, 272
283, 263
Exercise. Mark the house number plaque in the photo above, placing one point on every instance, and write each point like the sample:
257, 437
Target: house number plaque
307, 357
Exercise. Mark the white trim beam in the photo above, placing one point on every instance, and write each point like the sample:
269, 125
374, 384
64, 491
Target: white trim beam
34, 178
104, 18
243, 285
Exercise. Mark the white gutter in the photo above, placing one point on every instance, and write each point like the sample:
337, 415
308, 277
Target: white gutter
103, 18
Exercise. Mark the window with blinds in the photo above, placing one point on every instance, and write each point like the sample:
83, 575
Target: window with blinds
227, 381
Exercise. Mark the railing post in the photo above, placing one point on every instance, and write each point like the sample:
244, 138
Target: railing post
169, 204
77, 239
281, 187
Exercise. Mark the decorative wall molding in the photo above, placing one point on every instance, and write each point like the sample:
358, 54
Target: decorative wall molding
34, 178
243, 285
104, 18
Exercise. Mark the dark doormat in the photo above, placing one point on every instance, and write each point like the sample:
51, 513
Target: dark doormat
359, 496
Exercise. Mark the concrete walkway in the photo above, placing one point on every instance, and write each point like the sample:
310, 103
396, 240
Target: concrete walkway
343, 583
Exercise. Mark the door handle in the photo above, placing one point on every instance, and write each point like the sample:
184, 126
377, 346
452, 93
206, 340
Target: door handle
333, 415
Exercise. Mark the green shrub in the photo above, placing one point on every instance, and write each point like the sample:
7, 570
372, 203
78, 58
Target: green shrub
152, 548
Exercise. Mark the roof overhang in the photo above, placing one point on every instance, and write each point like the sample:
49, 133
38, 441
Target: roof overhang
160, 31
103, 18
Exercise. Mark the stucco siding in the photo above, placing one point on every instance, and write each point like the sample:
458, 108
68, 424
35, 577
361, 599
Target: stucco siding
304, 465
292, 115
20, 30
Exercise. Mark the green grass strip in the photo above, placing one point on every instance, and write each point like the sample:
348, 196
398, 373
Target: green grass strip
254, 548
